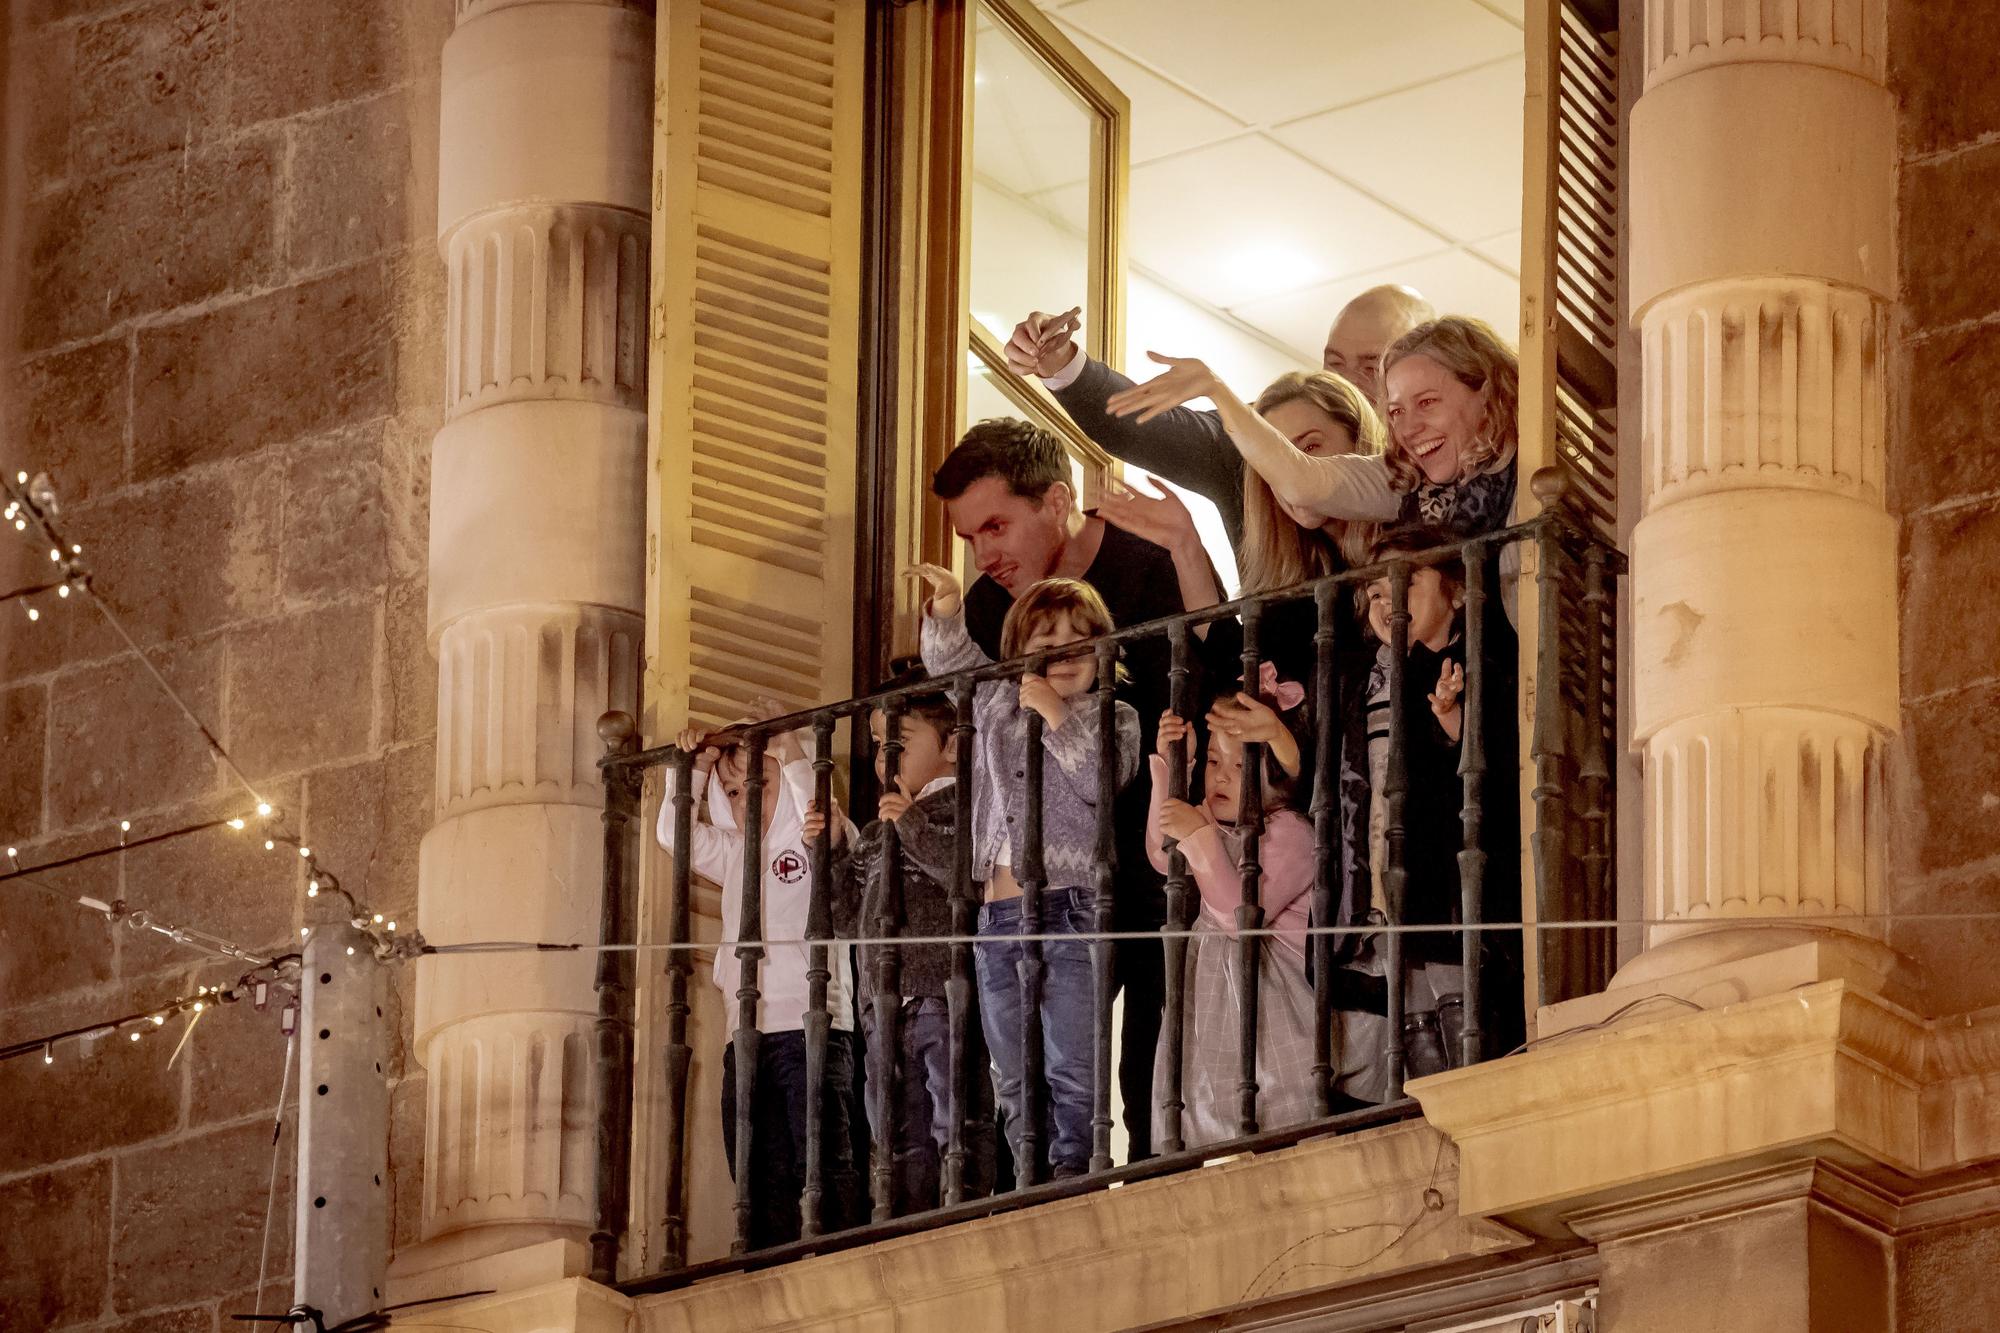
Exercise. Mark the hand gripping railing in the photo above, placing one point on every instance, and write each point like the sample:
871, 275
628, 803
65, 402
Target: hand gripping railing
1572, 575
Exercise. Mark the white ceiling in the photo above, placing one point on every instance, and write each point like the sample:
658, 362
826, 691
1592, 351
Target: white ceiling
1287, 154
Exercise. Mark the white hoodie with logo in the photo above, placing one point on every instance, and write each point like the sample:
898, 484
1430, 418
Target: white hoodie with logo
786, 895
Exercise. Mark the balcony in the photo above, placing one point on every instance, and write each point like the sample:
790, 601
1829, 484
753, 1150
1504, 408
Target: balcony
1554, 816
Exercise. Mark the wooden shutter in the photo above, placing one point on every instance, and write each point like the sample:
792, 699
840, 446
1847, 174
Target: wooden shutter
757, 265
1572, 311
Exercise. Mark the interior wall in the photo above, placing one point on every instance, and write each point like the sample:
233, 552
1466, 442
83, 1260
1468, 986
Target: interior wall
1945, 486
225, 349
1023, 250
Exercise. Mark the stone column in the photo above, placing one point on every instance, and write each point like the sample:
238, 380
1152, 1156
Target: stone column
1764, 566
537, 582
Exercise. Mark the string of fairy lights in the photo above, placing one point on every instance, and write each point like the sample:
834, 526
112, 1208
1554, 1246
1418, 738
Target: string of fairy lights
33, 509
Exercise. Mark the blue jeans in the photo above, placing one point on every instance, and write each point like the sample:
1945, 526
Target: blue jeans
1067, 1028
919, 1109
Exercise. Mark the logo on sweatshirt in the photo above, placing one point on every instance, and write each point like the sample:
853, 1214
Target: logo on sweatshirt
789, 867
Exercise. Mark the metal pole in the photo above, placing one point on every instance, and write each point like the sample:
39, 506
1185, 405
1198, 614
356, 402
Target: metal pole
343, 1202
617, 924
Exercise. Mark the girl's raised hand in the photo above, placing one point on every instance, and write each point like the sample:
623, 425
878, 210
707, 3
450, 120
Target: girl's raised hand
1248, 718
1173, 727
1245, 718
1179, 820
1444, 699
943, 584
1186, 377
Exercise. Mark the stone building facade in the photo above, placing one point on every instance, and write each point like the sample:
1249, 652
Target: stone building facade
251, 322
225, 343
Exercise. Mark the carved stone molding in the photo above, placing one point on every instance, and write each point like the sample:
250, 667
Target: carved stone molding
468, 10
1762, 383
510, 1119
547, 302
519, 694
1682, 36
1762, 813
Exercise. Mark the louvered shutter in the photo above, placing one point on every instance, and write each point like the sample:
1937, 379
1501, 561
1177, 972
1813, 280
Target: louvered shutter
757, 260
1571, 313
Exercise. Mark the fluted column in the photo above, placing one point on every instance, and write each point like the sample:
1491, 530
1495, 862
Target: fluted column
1764, 566
537, 587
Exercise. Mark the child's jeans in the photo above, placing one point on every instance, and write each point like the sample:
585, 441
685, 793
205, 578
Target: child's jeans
920, 1110
1067, 1026
778, 1136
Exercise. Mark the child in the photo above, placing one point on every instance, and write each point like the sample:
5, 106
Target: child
778, 1110
1434, 680
1211, 842
923, 806
1049, 615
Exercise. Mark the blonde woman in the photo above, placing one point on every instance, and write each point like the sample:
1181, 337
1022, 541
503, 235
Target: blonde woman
1319, 415
1450, 394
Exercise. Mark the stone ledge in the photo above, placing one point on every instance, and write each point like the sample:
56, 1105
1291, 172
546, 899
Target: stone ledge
1321, 1214
1822, 1070
569, 1305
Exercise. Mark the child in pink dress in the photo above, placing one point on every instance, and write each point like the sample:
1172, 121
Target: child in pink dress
1212, 844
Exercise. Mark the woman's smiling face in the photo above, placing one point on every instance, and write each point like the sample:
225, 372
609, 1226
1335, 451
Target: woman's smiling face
1432, 416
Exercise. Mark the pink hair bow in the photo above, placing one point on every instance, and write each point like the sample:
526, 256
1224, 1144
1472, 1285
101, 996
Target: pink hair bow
1289, 694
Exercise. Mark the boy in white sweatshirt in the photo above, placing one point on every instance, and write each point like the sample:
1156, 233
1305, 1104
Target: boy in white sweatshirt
779, 1100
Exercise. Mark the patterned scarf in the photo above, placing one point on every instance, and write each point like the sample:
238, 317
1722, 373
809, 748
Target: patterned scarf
1469, 508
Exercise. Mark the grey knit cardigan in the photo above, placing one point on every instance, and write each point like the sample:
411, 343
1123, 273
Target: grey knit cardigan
999, 780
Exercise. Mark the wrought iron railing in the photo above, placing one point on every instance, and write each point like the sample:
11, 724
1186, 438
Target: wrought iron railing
1568, 733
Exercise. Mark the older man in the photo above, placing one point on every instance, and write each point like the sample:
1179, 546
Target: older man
1189, 447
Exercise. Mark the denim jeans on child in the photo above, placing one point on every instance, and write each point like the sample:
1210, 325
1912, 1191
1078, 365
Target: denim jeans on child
920, 1118
778, 1136
1067, 1024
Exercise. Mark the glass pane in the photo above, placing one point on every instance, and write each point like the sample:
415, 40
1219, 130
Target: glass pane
985, 399
1031, 184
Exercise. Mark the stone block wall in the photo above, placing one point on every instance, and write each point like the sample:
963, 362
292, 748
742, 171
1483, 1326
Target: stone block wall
1945, 484
225, 346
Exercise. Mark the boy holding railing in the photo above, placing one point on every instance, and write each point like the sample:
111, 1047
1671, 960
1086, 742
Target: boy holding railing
913, 1112
777, 1113
1433, 706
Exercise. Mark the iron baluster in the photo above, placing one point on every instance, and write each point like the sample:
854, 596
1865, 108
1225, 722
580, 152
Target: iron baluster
1549, 752
818, 1019
1326, 853
1472, 776
1249, 912
678, 1054
1395, 791
1100, 914
617, 918
1169, 1092
749, 927
1033, 878
887, 1002
964, 920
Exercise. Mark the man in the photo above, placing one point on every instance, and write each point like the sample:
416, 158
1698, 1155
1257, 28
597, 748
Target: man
1364, 329
1006, 489
1187, 447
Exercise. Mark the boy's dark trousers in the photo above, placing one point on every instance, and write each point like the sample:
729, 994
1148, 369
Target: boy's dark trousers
778, 1136
920, 1113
